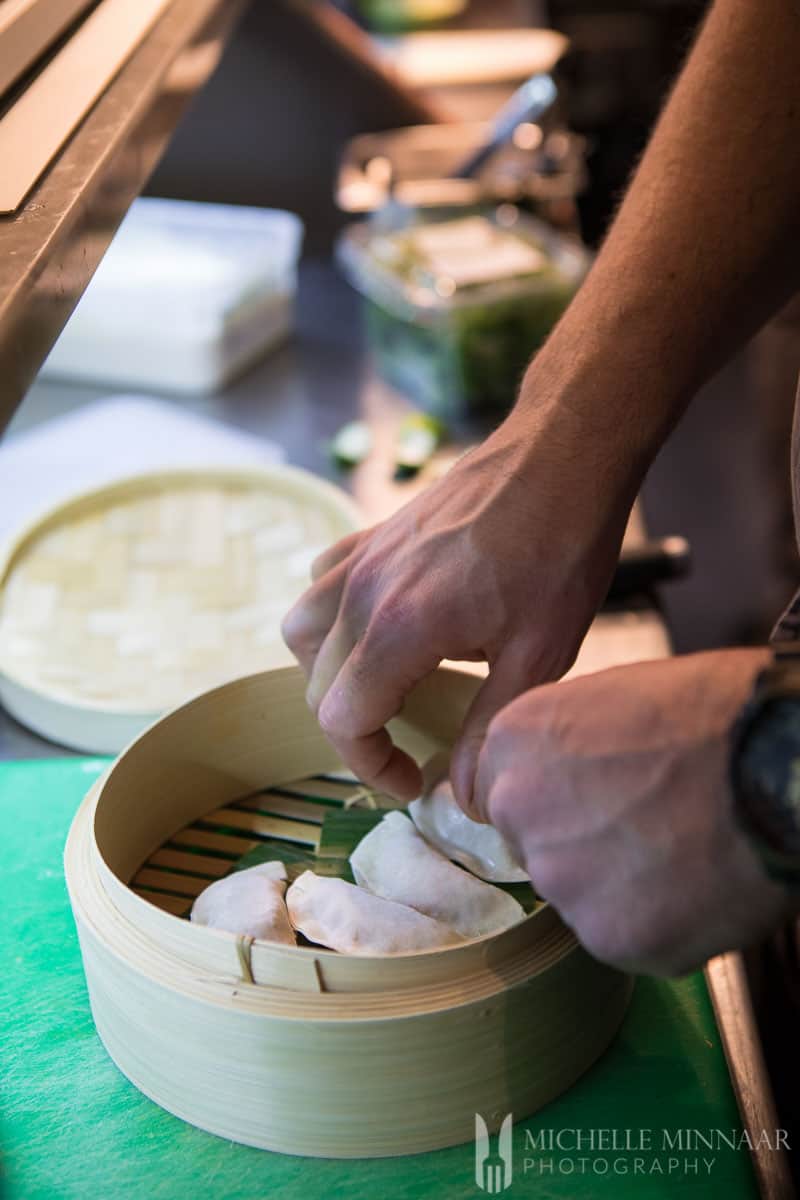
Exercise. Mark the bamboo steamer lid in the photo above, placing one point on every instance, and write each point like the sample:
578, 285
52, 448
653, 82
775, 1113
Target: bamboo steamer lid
125, 601
301, 1050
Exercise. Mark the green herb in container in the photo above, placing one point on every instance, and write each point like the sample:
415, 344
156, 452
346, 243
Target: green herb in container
456, 308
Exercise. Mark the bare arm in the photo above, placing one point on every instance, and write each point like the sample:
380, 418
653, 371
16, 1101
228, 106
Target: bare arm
707, 242
509, 556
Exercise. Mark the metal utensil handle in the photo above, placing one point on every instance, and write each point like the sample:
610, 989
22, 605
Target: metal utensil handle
529, 102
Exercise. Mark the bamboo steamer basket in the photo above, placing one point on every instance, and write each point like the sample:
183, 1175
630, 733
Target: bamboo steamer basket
123, 601
302, 1050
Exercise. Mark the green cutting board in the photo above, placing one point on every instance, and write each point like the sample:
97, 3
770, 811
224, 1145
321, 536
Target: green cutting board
73, 1127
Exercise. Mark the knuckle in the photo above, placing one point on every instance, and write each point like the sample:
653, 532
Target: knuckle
294, 628
501, 798
500, 728
599, 936
503, 735
335, 551
526, 714
305, 624
601, 931
319, 564
629, 944
549, 880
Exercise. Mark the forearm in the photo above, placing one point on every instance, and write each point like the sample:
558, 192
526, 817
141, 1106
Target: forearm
706, 244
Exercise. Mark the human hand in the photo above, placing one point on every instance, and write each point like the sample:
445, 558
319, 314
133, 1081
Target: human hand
614, 790
506, 559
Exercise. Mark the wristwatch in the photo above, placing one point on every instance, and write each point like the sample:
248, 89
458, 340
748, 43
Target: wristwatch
765, 766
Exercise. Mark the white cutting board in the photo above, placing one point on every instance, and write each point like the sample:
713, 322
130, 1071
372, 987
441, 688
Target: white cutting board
109, 440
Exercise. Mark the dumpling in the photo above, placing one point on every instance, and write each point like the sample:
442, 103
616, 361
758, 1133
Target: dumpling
480, 848
344, 917
394, 861
249, 903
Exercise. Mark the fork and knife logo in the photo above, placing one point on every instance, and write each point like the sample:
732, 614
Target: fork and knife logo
493, 1168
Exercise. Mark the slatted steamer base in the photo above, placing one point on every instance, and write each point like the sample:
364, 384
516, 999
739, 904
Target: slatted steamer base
209, 849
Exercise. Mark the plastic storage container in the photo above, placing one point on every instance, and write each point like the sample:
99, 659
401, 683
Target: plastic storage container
187, 296
455, 308
543, 171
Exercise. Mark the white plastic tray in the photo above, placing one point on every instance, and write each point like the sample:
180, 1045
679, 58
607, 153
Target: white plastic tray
187, 296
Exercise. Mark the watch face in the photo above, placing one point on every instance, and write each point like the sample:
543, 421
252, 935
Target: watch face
768, 774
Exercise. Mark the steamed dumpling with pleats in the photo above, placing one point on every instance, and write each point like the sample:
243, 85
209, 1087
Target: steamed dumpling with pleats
479, 848
346, 918
248, 902
394, 861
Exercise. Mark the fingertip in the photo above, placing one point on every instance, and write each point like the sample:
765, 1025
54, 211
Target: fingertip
463, 769
299, 635
401, 777
288, 626
328, 714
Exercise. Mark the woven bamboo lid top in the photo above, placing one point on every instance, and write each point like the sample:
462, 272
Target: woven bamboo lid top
145, 593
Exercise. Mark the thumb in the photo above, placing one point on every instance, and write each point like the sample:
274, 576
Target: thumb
510, 675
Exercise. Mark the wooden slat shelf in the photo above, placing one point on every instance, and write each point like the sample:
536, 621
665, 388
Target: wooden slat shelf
50, 248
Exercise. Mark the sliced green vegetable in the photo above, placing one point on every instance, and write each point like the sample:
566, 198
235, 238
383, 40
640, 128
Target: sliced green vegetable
342, 830
295, 858
351, 444
417, 439
523, 893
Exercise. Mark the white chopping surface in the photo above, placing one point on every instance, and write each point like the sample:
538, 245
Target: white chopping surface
109, 440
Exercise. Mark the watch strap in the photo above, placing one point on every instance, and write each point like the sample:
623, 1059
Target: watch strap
765, 769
